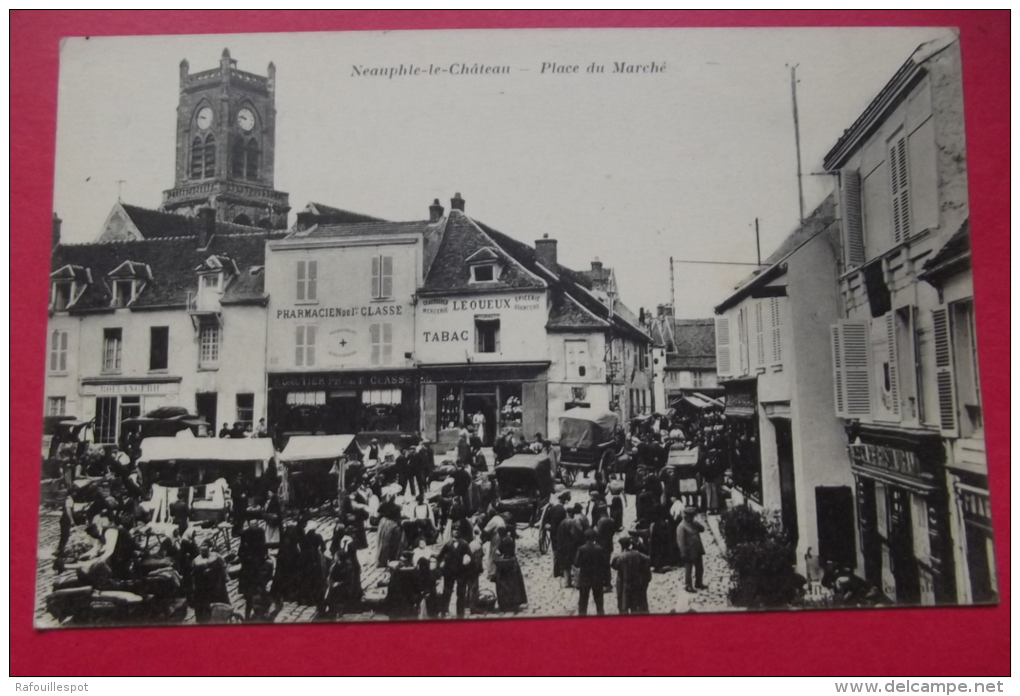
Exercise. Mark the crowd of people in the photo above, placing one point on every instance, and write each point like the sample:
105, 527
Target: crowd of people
438, 530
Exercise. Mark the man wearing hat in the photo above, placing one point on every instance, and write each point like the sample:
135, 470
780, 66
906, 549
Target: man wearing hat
593, 573
688, 539
633, 574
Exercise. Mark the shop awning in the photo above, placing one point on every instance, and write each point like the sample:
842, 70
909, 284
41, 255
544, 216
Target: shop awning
161, 449
307, 447
700, 401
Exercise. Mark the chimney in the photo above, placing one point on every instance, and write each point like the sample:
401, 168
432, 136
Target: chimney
546, 250
436, 211
206, 226
596, 265
457, 203
184, 71
56, 229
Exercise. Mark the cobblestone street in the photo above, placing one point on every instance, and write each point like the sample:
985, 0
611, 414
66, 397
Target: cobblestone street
546, 596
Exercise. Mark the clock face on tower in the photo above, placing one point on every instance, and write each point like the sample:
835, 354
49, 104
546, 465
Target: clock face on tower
246, 119
204, 119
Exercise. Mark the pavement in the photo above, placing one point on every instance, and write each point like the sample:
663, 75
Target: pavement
546, 596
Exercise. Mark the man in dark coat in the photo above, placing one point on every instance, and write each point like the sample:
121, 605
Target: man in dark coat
554, 514
633, 573
402, 466
455, 559
568, 539
688, 538
593, 574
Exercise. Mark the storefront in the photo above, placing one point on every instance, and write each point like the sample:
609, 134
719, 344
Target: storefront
902, 514
112, 400
973, 524
335, 403
741, 427
489, 397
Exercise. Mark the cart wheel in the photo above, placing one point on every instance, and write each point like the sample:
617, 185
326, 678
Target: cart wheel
543, 540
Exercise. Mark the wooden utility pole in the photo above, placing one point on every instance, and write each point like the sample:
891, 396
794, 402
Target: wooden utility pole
796, 137
757, 239
672, 288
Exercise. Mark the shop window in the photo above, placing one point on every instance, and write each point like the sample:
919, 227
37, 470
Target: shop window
112, 346
159, 347
486, 334
307, 281
209, 345
511, 412
56, 406
381, 396
106, 420
382, 277
381, 338
130, 407
449, 407
58, 352
245, 409
306, 398
304, 346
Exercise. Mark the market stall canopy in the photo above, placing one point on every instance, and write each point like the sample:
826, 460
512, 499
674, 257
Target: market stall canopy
162, 449
307, 447
576, 427
701, 402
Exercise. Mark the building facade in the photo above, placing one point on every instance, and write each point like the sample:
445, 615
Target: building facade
905, 360
788, 448
153, 321
688, 355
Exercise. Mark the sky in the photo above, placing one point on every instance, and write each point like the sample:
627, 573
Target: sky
632, 168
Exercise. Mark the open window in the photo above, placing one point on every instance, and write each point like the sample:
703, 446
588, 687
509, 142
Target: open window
127, 282
487, 334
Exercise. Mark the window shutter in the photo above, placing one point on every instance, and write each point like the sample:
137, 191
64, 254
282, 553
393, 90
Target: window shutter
722, 346
299, 343
386, 278
311, 292
374, 338
944, 372
63, 351
375, 276
856, 365
892, 353
777, 343
853, 219
742, 339
851, 369
309, 346
301, 280
838, 387
387, 343
900, 189
759, 334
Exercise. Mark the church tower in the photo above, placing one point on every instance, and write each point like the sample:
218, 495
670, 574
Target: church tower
226, 140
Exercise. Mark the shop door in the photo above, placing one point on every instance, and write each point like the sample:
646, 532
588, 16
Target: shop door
787, 485
342, 413
981, 564
901, 548
835, 508
205, 407
485, 423
867, 518
534, 404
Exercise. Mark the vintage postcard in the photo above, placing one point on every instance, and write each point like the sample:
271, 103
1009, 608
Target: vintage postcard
315, 351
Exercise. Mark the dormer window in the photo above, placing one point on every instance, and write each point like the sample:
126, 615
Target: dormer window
66, 286
63, 294
123, 292
484, 273
211, 281
127, 281
485, 265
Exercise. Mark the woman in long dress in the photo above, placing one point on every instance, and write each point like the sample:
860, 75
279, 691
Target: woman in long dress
510, 591
389, 537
